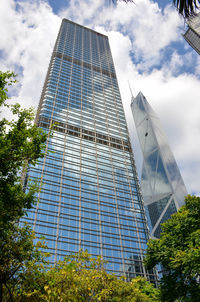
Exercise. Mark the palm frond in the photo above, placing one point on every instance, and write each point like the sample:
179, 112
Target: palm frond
126, 1
187, 8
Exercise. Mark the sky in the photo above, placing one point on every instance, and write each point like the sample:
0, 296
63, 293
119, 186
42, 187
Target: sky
148, 51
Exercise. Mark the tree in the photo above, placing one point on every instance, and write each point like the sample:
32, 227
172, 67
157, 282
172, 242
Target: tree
186, 8
18, 254
178, 251
21, 142
82, 278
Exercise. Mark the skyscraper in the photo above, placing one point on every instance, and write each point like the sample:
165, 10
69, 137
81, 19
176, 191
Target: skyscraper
192, 35
89, 193
162, 186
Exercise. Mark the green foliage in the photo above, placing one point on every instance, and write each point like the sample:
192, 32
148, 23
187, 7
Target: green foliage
178, 251
82, 278
18, 254
6, 79
21, 142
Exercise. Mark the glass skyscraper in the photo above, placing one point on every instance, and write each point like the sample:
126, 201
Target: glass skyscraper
89, 194
192, 35
163, 189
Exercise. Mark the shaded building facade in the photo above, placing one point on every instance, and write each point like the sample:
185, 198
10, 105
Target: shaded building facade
192, 35
89, 192
162, 186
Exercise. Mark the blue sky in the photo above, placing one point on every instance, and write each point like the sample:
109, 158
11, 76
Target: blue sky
148, 51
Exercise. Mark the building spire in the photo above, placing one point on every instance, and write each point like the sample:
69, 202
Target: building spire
130, 89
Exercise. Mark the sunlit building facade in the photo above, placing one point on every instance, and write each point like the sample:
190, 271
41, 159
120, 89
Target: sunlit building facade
192, 35
89, 192
162, 186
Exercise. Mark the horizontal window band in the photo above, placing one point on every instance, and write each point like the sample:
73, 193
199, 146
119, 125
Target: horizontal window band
85, 134
84, 64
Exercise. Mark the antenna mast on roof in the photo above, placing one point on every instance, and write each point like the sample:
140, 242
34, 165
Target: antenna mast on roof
130, 89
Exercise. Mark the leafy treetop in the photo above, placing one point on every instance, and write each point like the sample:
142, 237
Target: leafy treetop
178, 251
83, 278
21, 142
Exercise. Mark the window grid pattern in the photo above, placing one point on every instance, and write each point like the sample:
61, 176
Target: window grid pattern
193, 39
89, 193
192, 35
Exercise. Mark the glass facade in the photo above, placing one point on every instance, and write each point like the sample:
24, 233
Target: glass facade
163, 189
89, 193
192, 35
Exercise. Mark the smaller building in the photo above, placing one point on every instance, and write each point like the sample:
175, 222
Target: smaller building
192, 35
162, 186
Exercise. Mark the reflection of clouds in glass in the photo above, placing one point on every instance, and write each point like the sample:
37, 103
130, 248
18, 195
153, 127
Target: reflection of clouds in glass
138, 110
150, 195
154, 177
180, 191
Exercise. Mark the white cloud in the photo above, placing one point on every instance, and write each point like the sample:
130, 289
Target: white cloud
28, 34
150, 29
83, 12
197, 67
175, 99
